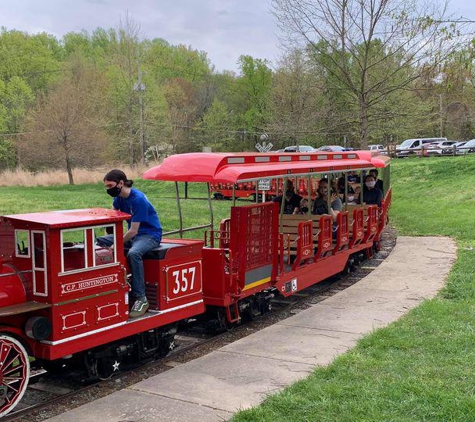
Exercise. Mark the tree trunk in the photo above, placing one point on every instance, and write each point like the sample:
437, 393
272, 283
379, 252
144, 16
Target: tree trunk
363, 125
69, 170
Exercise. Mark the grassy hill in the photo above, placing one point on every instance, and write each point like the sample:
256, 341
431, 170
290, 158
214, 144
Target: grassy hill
421, 367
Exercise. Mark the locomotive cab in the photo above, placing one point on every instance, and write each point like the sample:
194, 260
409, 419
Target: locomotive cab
53, 272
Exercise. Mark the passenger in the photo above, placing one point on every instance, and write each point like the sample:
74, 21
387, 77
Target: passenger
303, 207
371, 195
320, 205
341, 190
379, 182
143, 235
353, 177
292, 200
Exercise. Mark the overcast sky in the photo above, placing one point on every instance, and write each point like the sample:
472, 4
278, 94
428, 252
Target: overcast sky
224, 29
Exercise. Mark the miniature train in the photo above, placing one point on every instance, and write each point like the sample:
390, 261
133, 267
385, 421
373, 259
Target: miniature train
63, 298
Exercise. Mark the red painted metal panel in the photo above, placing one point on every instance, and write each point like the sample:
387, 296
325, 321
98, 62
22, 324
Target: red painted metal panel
254, 240
216, 275
371, 223
383, 214
325, 240
342, 235
304, 243
101, 335
230, 168
308, 275
13, 290
358, 227
71, 218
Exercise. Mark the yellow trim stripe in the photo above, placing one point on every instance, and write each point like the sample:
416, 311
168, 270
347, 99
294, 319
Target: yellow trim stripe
257, 283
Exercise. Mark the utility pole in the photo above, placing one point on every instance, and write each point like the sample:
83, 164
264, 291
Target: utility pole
140, 88
441, 116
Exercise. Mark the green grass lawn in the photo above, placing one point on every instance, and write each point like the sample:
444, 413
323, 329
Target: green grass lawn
419, 368
17, 200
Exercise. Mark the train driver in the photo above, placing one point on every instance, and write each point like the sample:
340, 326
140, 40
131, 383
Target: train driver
144, 232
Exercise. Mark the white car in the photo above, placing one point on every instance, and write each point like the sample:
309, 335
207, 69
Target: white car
436, 148
298, 148
467, 148
378, 148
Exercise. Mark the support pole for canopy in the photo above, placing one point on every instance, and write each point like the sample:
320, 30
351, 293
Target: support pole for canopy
180, 217
210, 206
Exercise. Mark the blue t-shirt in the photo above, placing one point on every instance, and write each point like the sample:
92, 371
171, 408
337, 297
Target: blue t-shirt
142, 211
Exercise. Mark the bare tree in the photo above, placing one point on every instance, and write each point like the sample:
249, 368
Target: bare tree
371, 48
295, 94
66, 128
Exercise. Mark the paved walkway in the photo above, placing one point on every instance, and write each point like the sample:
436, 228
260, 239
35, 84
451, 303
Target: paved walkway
242, 374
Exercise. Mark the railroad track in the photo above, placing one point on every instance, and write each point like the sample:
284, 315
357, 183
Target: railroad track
47, 394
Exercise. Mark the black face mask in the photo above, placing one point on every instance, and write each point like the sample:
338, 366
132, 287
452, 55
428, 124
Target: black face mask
305, 210
114, 192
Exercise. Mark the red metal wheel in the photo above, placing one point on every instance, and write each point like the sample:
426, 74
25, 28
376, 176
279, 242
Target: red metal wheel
14, 373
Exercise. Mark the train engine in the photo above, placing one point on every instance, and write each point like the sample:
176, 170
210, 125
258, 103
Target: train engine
65, 299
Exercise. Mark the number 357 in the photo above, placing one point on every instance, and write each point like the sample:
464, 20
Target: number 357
184, 280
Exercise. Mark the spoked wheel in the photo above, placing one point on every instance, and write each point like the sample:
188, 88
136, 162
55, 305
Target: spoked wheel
14, 373
102, 367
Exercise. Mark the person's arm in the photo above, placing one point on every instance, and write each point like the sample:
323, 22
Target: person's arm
335, 207
132, 232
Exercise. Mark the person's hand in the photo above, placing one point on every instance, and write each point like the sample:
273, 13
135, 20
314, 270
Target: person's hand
111, 248
334, 196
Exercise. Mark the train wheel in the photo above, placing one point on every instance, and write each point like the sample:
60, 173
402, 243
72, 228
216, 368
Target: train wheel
14, 373
167, 344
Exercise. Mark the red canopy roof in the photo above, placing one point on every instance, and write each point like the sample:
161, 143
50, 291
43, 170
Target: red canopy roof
71, 218
231, 168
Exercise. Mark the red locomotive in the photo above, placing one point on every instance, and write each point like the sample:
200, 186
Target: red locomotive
63, 298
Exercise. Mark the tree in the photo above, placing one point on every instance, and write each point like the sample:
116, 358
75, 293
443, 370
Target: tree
370, 48
217, 126
255, 85
295, 95
66, 128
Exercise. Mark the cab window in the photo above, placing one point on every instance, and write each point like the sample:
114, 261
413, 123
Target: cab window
73, 254
22, 243
80, 251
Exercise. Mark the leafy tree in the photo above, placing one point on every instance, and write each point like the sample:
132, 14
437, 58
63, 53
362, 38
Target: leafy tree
255, 86
217, 126
370, 48
34, 58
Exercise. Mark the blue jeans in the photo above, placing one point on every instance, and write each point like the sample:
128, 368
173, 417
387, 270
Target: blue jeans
139, 246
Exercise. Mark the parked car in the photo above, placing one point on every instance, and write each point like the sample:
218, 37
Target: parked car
468, 148
411, 146
378, 148
457, 146
298, 148
436, 148
332, 148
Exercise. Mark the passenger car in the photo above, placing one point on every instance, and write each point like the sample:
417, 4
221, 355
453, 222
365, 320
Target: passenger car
458, 149
379, 148
436, 148
298, 148
467, 148
411, 146
332, 148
